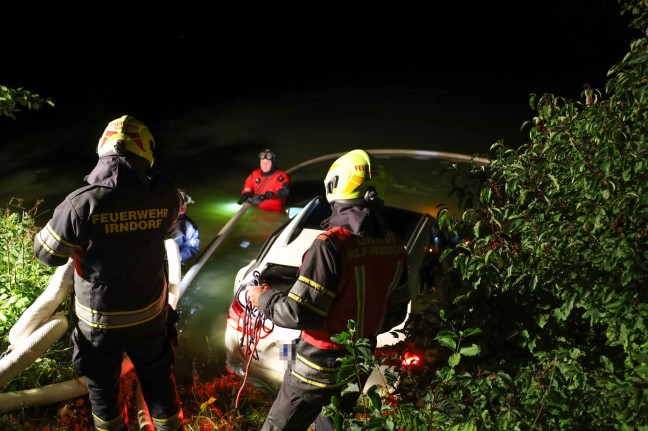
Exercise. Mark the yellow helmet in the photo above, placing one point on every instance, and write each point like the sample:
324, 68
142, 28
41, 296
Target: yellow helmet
127, 134
355, 178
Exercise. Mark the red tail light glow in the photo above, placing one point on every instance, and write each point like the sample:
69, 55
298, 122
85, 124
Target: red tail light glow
411, 359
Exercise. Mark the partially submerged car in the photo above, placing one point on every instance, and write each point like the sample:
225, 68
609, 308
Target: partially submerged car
261, 351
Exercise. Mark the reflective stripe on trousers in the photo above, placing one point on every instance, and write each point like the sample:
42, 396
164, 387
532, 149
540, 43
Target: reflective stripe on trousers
117, 424
114, 424
169, 424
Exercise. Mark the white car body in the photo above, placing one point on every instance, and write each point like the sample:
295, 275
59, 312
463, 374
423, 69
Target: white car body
264, 358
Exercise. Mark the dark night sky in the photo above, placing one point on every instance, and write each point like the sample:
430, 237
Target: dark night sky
221, 80
170, 59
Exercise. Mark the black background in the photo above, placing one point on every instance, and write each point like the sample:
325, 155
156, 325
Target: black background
167, 59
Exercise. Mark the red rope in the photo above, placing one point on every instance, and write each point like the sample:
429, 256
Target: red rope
257, 335
250, 329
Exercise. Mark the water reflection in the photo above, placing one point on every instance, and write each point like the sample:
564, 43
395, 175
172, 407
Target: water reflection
421, 184
203, 307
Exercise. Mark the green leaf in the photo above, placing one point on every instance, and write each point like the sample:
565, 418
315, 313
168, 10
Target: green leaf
454, 360
609, 366
642, 370
471, 350
447, 339
471, 331
554, 180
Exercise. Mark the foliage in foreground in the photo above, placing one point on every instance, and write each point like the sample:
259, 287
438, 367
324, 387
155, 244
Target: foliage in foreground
22, 280
545, 326
13, 99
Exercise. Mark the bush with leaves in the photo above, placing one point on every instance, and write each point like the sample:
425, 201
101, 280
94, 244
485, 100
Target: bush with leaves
12, 99
557, 265
22, 280
547, 327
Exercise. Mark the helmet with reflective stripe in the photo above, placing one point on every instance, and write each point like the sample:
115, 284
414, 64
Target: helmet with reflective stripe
355, 178
127, 134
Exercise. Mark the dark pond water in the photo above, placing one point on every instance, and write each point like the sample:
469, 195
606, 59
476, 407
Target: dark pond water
210, 151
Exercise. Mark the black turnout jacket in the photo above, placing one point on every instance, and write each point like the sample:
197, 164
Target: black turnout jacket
114, 229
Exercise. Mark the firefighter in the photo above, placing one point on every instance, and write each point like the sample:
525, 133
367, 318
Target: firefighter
267, 186
114, 228
356, 270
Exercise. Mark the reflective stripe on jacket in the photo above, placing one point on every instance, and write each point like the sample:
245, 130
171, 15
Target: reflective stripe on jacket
119, 319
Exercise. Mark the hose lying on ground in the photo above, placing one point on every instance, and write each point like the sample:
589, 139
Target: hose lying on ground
59, 287
32, 347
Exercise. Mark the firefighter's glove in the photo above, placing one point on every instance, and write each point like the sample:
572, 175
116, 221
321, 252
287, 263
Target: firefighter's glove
268, 195
256, 199
244, 197
172, 331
